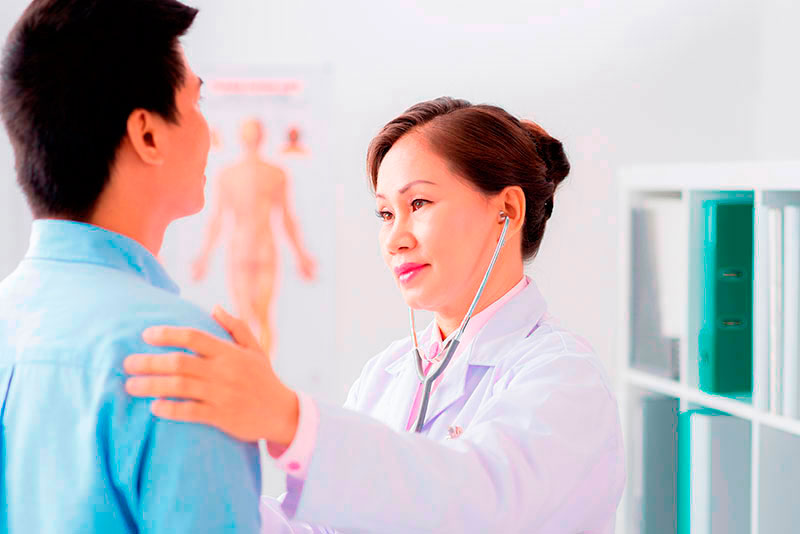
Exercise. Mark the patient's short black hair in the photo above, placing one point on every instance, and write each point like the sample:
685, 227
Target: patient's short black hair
72, 73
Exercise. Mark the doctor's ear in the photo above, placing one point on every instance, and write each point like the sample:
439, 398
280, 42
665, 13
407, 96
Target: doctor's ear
146, 132
511, 202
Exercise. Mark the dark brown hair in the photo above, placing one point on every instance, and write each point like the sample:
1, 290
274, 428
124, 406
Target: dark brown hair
72, 73
488, 147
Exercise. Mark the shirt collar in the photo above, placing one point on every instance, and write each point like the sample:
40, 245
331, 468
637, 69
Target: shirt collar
475, 325
477, 321
71, 241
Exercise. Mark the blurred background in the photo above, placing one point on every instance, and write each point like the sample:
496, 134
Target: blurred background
619, 83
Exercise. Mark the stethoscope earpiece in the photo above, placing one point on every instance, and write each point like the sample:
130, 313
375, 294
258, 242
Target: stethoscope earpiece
505, 221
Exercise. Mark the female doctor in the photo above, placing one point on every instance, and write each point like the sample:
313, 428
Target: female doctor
493, 418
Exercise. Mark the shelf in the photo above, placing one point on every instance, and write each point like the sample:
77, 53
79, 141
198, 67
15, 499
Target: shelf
728, 405
662, 276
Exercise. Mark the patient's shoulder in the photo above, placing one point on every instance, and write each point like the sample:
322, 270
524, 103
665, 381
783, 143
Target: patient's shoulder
118, 332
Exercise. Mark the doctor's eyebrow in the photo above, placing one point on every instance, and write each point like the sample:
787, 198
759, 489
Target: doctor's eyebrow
407, 187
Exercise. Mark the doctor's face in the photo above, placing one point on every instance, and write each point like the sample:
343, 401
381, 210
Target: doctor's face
438, 232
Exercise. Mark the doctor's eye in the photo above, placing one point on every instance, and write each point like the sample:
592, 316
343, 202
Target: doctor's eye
383, 215
418, 203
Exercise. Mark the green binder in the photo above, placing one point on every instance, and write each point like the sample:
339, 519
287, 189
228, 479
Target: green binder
726, 340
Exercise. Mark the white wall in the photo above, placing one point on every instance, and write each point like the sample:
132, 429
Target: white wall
777, 105
618, 82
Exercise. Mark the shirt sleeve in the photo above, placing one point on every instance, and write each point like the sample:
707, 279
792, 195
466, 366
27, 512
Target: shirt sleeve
295, 458
176, 477
195, 479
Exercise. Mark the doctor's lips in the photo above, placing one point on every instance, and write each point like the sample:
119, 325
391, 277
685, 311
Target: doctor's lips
406, 272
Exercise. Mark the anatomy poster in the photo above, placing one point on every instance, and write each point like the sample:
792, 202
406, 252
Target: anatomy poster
264, 244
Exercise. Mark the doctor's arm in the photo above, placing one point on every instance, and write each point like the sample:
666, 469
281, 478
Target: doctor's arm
549, 433
548, 440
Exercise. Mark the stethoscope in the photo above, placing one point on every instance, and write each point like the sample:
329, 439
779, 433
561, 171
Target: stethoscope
451, 345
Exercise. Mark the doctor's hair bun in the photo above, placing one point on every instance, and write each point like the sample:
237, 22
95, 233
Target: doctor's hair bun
551, 151
490, 148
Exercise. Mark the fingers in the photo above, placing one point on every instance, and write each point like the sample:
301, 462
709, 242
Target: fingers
181, 387
175, 363
196, 341
198, 271
237, 328
187, 411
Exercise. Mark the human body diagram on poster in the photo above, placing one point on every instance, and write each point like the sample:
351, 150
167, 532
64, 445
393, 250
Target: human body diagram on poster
253, 193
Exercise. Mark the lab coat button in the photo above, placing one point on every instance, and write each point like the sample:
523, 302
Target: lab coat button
454, 431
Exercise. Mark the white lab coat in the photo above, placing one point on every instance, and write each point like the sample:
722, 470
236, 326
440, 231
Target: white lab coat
541, 449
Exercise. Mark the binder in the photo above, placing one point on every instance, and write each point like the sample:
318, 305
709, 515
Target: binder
656, 290
694, 485
660, 465
791, 310
776, 294
761, 310
725, 360
714, 473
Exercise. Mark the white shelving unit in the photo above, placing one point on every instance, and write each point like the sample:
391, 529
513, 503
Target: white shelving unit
775, 439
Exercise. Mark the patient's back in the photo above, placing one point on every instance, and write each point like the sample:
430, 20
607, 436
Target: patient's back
78, 454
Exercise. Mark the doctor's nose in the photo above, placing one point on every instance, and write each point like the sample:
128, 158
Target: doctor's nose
400, 238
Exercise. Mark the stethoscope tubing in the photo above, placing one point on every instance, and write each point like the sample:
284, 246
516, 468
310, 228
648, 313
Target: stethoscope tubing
427, 381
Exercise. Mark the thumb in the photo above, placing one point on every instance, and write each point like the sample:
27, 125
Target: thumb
237, 328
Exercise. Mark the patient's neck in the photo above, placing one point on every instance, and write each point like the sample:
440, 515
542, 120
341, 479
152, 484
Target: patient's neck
141, 219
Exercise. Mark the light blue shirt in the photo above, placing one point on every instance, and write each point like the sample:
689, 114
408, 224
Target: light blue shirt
77, 454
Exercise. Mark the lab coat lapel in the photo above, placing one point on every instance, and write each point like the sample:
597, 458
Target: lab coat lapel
396, 404
511, 324
460, 378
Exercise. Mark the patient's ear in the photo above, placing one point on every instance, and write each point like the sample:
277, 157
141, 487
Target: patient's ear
147, 134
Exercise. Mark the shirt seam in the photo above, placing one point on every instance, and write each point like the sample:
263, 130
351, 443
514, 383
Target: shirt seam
136, 272
12, 368
118, 374
87, 261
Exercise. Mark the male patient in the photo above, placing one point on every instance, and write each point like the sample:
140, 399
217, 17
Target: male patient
110, 146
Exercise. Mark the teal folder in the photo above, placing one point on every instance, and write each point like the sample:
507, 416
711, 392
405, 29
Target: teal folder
725, 359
